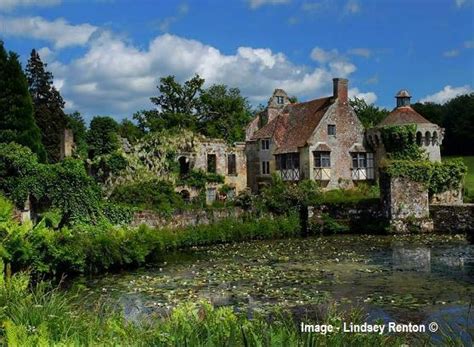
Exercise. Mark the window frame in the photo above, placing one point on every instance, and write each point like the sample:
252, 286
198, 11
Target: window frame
332, 129
232, 164
322, 159
265, 144
280, 100
211, 168
265, 167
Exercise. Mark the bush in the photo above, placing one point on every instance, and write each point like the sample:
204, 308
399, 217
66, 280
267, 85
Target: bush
155, 195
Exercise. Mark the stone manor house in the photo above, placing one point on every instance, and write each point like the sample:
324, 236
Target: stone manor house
321, 139
324, 140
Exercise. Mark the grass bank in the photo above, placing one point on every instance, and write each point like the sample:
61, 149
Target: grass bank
96, 248
469, 179
40, 316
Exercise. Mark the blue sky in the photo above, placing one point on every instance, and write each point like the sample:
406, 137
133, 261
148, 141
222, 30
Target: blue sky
107, 55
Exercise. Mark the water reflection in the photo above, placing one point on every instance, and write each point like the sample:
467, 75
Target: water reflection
411, 259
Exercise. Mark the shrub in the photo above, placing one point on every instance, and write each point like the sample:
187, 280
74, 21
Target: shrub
155, 195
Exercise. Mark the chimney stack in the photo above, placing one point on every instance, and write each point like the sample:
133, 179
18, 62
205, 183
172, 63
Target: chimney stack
340, 89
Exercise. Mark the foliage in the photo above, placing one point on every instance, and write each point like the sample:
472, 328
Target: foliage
105, 166
154, 194
369, 115
128, 130
85, 248
17, 123
45, 316
438, 177
75, 122
65, 185
217, 112
102, 136
400, 142
224, 113
455, 117
281, 197
177, 105
361, 193
199, 179
48, 105
117, 214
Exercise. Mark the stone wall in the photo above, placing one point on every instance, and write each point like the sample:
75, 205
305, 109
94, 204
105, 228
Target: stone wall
453, 218
364, 217
184, 218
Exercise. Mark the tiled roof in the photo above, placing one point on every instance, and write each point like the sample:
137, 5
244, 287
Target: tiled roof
293, 127
302, 119
403, 115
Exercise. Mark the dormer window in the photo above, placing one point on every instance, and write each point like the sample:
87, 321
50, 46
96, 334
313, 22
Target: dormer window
280, 100
265, 144
332, 129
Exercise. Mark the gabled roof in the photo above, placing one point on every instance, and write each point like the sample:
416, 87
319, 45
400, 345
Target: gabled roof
293, 127
403, 115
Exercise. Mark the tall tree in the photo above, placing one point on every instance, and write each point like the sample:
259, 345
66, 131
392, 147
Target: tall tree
102, 136
369, 114
224, 113
17, 123
75, 122
48, 105
177, 105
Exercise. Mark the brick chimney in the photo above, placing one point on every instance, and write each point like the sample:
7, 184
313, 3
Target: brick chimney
340, 89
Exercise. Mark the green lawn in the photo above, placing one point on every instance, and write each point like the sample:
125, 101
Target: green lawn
469, 161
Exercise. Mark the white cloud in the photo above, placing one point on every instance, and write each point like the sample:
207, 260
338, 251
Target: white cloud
447, 93
373, 80
59, 32
7, 5
369, 97
352, 7
312, 7
165, 24
115, 77
322, 56
254, 4
451, 53
459, 3
361, 52
469, 44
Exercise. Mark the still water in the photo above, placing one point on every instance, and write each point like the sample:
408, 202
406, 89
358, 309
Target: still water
416, 278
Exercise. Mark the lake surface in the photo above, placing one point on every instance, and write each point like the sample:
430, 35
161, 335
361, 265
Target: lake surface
416, 278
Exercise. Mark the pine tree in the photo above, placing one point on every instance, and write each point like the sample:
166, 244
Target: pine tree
17, 123
48, 105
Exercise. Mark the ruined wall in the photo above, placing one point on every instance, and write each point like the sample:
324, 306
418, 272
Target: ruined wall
183, 219
67, 144
451, 197
349, 131
453, 218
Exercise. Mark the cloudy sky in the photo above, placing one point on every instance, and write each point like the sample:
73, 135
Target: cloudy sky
108, 55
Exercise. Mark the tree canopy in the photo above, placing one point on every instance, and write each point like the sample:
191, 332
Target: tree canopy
217, 111
102, 136
369, 114
48, 105
457, 118
17, 123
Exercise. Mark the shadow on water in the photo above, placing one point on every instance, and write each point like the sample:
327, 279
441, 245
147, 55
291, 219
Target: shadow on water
417, 278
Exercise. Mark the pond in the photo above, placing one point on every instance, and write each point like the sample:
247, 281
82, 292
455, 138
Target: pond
403, 278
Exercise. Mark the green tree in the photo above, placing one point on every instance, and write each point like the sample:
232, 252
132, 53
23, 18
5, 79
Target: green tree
177, 105
17, 123
102, 136
369, 114
48, 105
459, 125
224, 113
76, 123
127, 129
430, 110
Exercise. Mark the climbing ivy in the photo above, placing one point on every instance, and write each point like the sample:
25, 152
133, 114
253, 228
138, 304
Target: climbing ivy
437, 176
400, 142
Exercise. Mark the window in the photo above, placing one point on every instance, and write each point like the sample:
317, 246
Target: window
331, 129
280, 100
322, 159
359, 160
362, 166
231, 164
265, 168
265, 144
211, 163
288, 161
